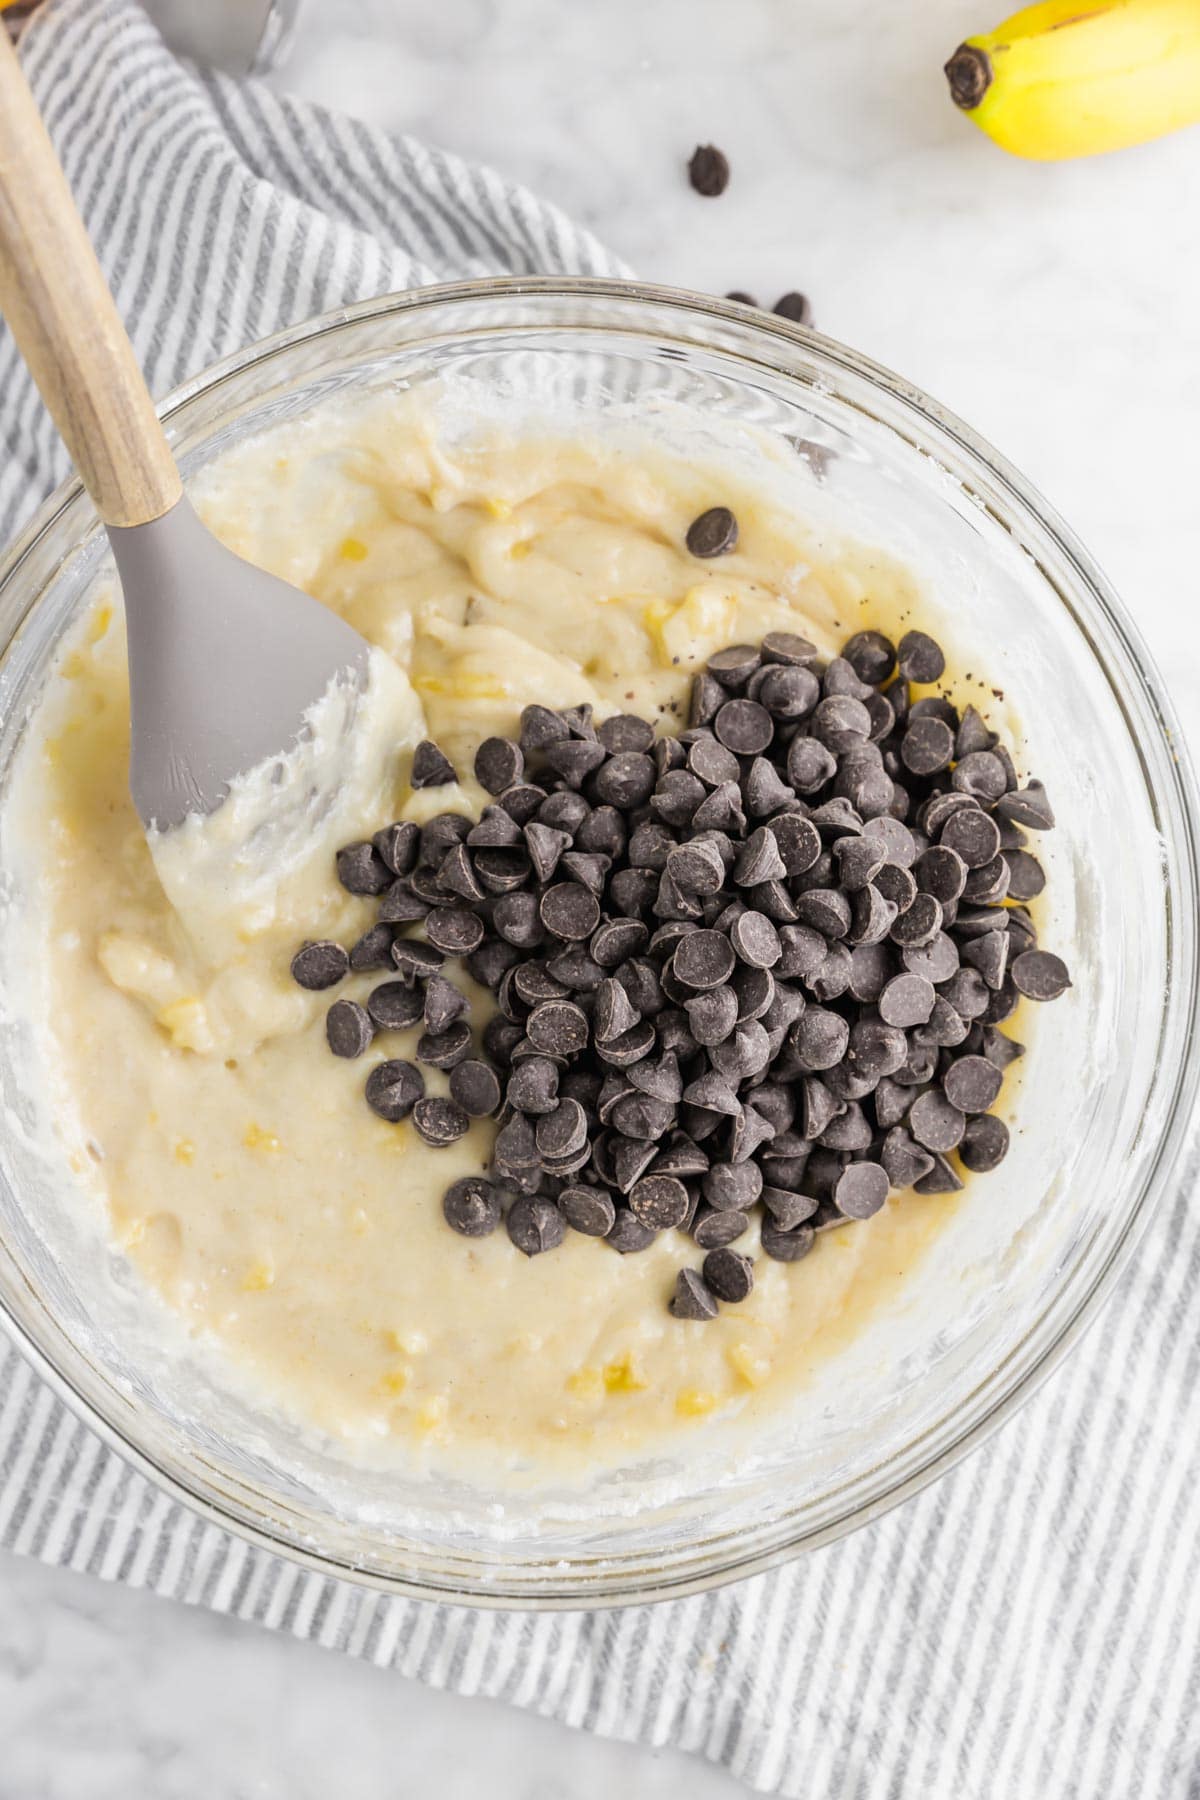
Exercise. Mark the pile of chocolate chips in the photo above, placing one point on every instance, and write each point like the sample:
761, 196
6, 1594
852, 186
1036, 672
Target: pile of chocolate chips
760, 965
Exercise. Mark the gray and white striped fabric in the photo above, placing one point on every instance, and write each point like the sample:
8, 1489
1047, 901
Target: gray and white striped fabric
1030, 1628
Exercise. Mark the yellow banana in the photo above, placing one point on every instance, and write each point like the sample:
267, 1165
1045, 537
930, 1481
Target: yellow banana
1074, 77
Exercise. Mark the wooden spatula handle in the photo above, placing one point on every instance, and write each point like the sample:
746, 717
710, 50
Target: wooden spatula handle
58, 307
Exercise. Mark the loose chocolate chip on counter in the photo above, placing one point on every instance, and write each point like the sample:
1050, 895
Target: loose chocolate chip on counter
320, 965
729, 1275
794, 306
714, 533
472, 1206
1040, 975
475, 1086
708, 171
393, 1089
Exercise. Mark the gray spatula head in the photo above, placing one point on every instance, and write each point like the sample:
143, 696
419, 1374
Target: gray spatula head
224, 662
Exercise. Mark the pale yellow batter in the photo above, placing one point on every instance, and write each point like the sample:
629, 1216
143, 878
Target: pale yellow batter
241, 1169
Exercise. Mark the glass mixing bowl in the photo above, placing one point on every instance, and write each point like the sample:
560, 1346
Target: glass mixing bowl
1107, 1090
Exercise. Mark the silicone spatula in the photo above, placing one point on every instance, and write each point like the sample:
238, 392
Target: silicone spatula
224, 659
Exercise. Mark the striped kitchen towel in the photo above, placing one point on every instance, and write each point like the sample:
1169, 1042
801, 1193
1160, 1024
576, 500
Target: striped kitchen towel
1029, 1628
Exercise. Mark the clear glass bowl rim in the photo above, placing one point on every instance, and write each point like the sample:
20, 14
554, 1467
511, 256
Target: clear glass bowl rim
999, 487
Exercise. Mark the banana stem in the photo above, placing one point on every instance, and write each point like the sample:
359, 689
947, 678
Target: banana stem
969, 73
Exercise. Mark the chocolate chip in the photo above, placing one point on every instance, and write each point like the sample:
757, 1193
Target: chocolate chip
787, 692
732, 1187
445, 1049
826, 910
535, 1225
393, 1089
562, 1130
373, 949
935, 1121
443, 1003
472, 1206
320, 965
588, 1210
972, 1084
787, 1246
361, 869
569, 911
348, 1029
1027, 806
660, 1201
927, 746
999, 1049
712, 1229
704, 959
558, 1028
708, 170
981, 775
941, 1179
1040, 975
499, 764
714, 533
907, 1000
871, 655
626, 780
819, 1038
937, 960
439, 1121
454, 930
744, 727
430, 767
794, 306
984, 1143
396, 1005
475, 1086
1026, 877
533, 1085
628, 1234
712, 1015
729, 1274
904, 1161
861, 1190
575, 759
697, 867
920, 658
810, 764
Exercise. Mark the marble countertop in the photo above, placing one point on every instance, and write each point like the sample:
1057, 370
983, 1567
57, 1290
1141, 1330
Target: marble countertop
1053, 307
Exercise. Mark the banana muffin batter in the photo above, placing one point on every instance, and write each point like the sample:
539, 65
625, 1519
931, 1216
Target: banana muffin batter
239, 1169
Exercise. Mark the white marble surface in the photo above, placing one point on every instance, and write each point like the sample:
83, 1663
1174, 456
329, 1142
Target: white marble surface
1058, 309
